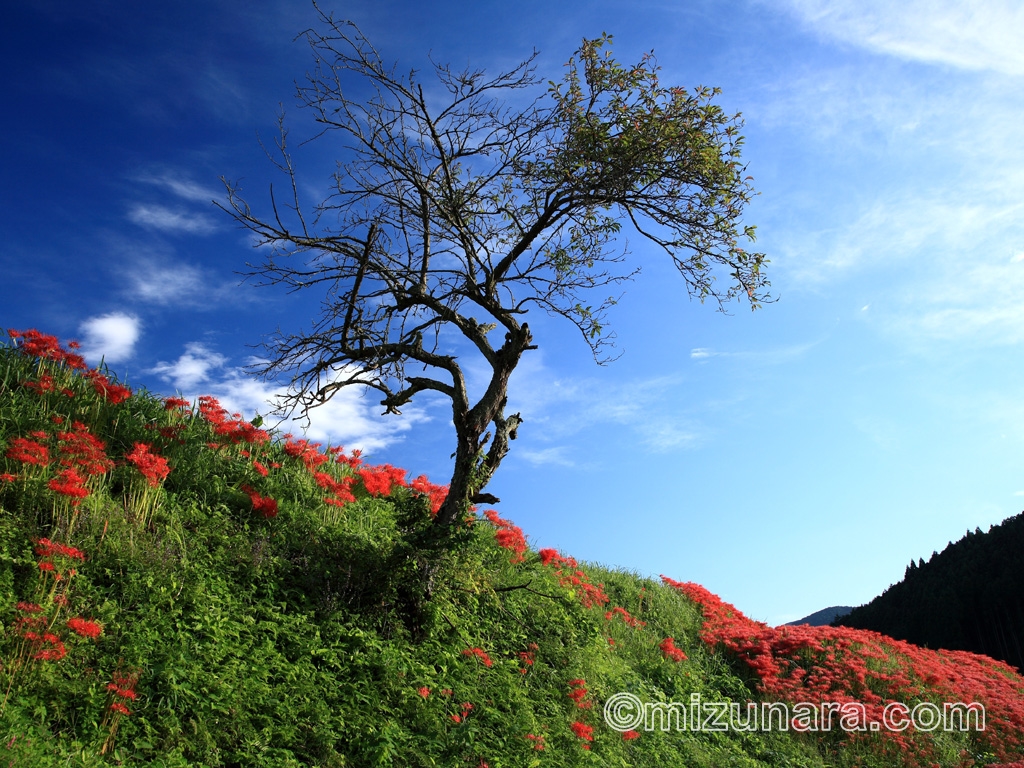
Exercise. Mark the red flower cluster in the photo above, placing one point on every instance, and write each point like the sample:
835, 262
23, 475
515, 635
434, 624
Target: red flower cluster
631, 621
527, 657
424, 691
578, 692
538, 742
378, 481
69, 483
436, 493
82, 450
36, 344
464, 713
123, 688
480, 654
265, 505
233, 427
508, 535
308, 452
570, 575
48, 549
45, 384
152, 466
669, 650
85, 627
56, 650
584, 732
171, 403
839, 664
28, 452
105, 388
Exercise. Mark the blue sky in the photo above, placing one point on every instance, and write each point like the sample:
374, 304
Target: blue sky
788, 459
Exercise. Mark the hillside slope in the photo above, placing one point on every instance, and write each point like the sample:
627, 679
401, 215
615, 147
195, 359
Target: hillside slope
179, 587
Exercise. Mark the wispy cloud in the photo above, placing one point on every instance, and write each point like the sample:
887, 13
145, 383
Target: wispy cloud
557, 409
981, 35
554, 456
110, 337
770, 356
182, 187
158, 279
348, 419
166, 219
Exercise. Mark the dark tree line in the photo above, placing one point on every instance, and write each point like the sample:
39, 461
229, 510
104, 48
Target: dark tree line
968, 597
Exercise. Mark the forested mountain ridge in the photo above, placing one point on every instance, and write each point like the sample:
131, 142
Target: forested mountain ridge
968, 597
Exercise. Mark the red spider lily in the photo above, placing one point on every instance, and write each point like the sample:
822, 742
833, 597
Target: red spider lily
630, 735
570, 575
480, 654
508, 535
464, 713
527, 657
340, 490
234, 428
627, 617
45, 384
28, 452
839, 664
152, 466
7, 477
171, 403
379, 481
29, 607
85, 627
436, 493
69, 483
424, 691
55, 652
112, 393
538, 742
265, 505
47, 548
80, 449
307, 452
120, 708
123, 686
583, 731
669, 650
36, 344
262, 470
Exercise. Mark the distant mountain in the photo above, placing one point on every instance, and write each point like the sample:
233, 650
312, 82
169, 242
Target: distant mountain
823, 617
969, 597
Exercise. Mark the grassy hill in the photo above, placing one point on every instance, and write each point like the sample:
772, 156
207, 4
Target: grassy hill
178, 587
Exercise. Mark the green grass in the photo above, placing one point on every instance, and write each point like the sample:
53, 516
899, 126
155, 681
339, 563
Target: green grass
306, 639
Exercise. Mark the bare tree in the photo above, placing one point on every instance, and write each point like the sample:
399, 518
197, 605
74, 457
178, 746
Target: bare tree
458, 209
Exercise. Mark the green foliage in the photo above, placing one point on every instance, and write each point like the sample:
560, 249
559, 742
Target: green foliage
323, 635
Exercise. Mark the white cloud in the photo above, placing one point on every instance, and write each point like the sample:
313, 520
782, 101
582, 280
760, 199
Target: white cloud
110, 337
170, 220
192, 369
348, 418
546, 456
161, 284
157, 280
978, 35
183, 188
